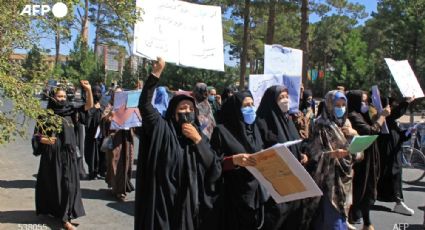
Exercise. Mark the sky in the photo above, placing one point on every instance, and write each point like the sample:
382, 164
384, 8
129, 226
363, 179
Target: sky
48, 43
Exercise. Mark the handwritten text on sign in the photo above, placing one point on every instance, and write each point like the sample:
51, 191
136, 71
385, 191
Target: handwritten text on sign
183, 33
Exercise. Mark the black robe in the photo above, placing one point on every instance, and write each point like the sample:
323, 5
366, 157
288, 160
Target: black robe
366, 172
57, 190
175, 183
242, 197
389, 184
276, 127
94, 158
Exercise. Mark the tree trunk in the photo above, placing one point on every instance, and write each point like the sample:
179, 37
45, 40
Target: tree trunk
57, 45
96, 39
85, 25
271, 22
244, 53
304, 40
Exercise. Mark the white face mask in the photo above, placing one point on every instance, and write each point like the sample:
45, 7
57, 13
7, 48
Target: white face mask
284, 105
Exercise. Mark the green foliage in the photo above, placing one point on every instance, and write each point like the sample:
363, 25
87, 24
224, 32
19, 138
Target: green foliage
83, 65
36, 70
185, 78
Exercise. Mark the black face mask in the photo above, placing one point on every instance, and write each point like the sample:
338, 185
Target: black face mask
61, 104
186, 118
96, 97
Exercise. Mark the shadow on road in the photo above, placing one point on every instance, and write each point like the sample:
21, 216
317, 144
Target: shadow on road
17, 184
101, 194
125, 207
415, 189
380, 208
28, 218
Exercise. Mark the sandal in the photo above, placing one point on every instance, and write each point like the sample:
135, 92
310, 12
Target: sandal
121, 197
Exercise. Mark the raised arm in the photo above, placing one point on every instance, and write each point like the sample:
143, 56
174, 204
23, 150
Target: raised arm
149, 114
89, 99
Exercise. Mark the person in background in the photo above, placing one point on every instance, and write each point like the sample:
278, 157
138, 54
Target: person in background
91, 119
205, 116
161, 100
215, 101
57, 190
119, 159
366, 172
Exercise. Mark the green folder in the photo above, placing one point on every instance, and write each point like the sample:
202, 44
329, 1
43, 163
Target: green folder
360, 143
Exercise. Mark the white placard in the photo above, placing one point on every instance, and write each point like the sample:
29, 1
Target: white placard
183, 33
405, 78
258, 84
282, 175
287, 62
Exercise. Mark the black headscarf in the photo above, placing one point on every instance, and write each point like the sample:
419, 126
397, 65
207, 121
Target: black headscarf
170, 114
61, 108
97, 93
355, 99
228, 90
304, 104
275, 126
233, 120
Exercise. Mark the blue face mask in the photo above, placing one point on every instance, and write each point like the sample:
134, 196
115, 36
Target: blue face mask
339, 111
211, 98
364, 108
249, 114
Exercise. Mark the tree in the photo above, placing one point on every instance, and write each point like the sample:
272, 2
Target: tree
244, 54
35, 67
17, 101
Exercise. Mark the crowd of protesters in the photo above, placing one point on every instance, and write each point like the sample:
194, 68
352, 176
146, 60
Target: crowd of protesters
195, 147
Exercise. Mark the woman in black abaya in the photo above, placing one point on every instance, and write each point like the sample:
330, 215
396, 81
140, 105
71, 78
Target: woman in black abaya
57, 191
276, 126
91, 118
389, 184
366, 172
177, 169
234, 140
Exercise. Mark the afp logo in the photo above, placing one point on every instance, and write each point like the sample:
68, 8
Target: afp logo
402, 226
59, 10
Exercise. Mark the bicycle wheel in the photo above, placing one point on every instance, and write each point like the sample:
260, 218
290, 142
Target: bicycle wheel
413, 163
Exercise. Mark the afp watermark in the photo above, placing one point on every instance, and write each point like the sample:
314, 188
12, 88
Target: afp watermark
59, 10
401, 226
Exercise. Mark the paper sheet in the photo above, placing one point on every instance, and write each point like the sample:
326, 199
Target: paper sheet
282, 175
361, 143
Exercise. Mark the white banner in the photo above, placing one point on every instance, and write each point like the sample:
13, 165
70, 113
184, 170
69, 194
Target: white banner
405, 78
376, 101
183, 33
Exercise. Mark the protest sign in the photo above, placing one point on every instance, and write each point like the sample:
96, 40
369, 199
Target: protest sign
287, 62
183, 33
125, 112
282, 175
405, 78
